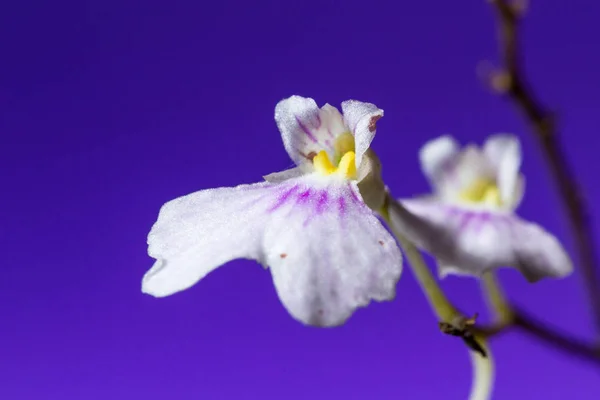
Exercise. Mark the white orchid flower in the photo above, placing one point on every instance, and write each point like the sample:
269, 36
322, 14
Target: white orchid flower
327, 251
469, 224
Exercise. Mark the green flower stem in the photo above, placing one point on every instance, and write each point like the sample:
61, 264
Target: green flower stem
496, 299
483, 367
442, 307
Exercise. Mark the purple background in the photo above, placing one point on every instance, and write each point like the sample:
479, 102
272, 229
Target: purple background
111, 108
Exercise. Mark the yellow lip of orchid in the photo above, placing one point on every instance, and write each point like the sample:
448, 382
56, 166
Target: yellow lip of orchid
344, 158
345, 168
482, 191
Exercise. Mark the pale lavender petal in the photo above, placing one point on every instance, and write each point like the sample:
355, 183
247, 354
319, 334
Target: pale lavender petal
471, 165
332, 124
504, 153
197, 233
473, 241
329, 254
362, 119
451, 170
327, 251
438, 159
306, 129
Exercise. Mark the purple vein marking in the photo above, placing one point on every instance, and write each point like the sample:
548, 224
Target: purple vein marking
465, 220
304, 197
322, 202
452, 212
319, 121
476, 220
306, 130
355, 197
283, 198
342, 206
484, 219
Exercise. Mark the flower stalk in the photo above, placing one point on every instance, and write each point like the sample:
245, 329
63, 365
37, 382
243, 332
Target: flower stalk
483, 373
438, 301
496, 299
483, 368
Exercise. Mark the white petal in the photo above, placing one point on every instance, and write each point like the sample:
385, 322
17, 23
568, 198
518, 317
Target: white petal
538, 252
504, 152
277, 177
471, 165
437, 157
332, 121
327, 251
472, 242
195, 234
330, 255
361, 118
306, 129
450, 169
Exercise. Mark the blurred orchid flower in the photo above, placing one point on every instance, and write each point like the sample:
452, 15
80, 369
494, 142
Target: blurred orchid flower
468, 223
310, 225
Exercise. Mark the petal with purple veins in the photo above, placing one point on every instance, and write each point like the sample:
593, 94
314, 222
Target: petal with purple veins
470, 242
327, 251
306, 129
330, 255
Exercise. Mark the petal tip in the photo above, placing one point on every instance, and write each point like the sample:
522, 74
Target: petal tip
160, 281
151, 282
294, 102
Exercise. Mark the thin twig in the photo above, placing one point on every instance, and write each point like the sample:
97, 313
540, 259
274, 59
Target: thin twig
530, 325
512, 83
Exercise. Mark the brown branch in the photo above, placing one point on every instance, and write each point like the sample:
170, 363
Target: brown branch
559, 340
539, 330
511, 82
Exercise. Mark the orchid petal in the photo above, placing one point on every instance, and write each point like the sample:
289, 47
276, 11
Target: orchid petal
327, 251
329, 255
450, 169
306, 129
361, 118
277, 177
504, 153
470, 166
332, 122
197, 233
470, 242
437, 158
